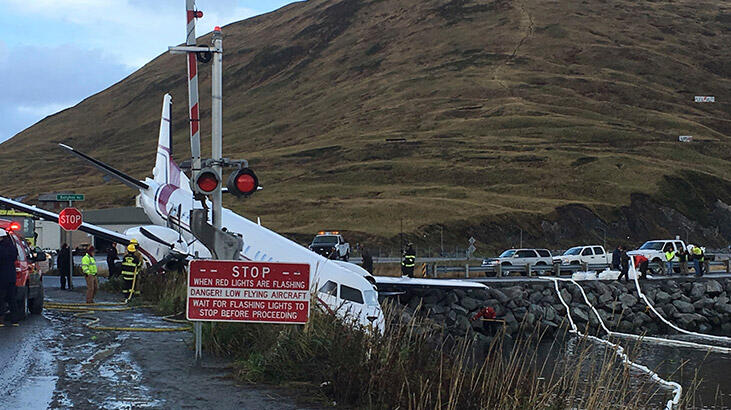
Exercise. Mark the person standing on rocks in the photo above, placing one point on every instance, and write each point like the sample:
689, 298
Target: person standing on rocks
669, 256
683, 261
616, 256
641, 264
698, 258
624, 263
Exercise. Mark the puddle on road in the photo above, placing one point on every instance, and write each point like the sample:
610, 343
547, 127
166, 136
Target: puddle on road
35, 391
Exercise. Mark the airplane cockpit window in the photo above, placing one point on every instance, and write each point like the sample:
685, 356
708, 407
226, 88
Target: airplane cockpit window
351, 294
370, 297
329, 288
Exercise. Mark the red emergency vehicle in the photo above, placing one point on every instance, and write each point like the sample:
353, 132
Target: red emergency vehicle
28, 279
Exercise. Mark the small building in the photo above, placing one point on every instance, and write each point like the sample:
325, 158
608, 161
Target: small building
50, 235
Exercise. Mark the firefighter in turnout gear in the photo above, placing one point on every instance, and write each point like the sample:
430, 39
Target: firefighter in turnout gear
131, 264
408, 262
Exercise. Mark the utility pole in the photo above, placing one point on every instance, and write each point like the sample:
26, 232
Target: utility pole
441, 240
521, 238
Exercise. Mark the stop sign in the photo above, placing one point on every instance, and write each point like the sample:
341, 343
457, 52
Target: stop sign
70, 219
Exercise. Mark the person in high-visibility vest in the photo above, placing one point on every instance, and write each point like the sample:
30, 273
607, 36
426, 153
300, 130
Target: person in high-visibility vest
669, 256
88, 266
131, 264
408, 262
698, 259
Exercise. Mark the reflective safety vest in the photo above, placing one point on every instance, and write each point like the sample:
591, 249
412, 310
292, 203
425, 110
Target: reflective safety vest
130, 263
88, 265
698, 254
409, 261
669, 255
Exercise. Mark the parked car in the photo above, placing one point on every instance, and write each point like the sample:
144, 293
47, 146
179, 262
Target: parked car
591, 254
521, 257
331, 245
29, 280
655, 253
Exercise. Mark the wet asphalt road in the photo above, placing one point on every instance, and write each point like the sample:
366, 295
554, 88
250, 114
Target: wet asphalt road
54, 361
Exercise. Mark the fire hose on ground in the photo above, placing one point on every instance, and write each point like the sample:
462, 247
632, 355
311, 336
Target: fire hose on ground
84, 311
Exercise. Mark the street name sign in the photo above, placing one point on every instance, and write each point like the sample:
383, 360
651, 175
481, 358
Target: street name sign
248, 292
70, 219
69, 197
705, 99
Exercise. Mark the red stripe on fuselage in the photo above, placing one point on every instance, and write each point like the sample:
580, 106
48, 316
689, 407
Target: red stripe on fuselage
164, 196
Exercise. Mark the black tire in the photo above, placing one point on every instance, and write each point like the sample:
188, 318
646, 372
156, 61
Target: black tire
21, 309
35, 305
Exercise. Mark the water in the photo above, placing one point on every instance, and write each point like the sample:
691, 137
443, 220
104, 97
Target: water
703, 375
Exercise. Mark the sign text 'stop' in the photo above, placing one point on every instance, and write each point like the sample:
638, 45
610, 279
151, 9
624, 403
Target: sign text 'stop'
70, 219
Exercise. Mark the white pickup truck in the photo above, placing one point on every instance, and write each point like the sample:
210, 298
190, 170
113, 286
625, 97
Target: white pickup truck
331, 245
654, 252
591, 254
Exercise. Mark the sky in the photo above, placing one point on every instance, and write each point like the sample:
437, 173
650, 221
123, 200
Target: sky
55, 53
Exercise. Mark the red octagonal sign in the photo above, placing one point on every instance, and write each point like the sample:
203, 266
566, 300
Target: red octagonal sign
70, 219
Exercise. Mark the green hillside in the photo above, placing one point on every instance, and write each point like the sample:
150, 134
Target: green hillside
560, 118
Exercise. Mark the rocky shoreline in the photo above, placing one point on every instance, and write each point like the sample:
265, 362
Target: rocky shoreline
700, 305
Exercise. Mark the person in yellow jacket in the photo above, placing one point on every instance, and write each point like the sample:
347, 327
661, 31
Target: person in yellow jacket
669, 256
698, 259
131, 264
88, 266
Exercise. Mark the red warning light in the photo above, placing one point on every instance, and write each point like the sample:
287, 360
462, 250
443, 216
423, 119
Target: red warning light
207, 181
14, 226
217, 28
243, 182
198, 14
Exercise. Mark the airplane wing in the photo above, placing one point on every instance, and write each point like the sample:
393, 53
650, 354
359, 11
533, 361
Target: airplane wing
394, 284
53, 217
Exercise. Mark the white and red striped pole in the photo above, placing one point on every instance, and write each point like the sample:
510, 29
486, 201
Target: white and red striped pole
194, 113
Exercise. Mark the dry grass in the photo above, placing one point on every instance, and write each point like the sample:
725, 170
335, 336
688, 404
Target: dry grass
413, 366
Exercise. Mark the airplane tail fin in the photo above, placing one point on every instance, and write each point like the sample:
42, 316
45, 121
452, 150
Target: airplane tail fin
166, 171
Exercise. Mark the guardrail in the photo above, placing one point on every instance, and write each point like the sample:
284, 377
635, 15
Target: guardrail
436, 271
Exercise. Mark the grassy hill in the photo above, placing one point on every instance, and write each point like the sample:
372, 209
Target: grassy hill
558, 118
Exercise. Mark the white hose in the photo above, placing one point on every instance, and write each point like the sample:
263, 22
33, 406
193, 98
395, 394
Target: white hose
619, 350
687, 332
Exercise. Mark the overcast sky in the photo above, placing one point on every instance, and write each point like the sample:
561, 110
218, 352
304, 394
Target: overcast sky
54, 53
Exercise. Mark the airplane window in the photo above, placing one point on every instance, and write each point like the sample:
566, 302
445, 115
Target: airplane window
370, 297
329, 288
351, 294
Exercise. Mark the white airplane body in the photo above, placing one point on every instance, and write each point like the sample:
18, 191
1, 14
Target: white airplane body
344, 288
